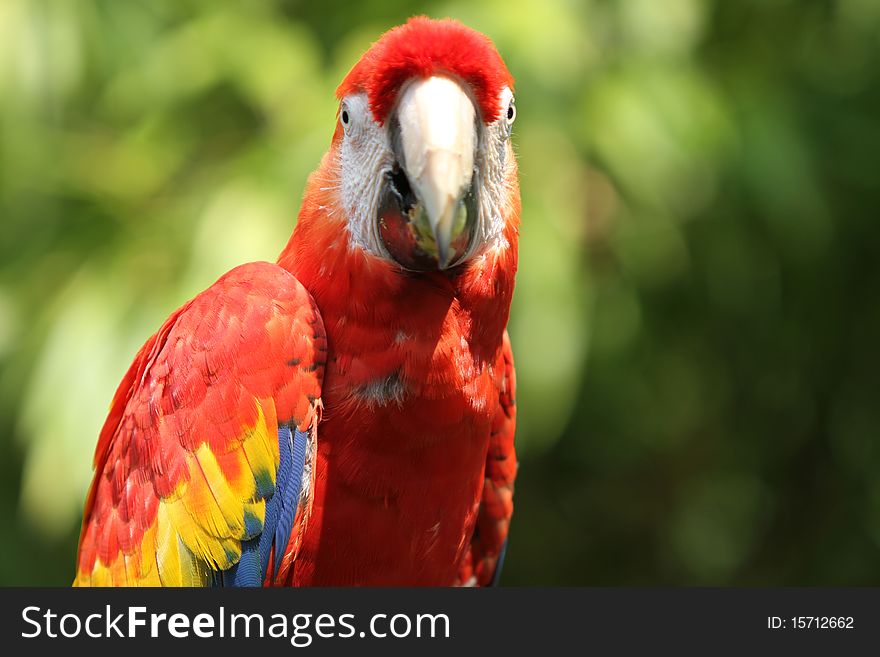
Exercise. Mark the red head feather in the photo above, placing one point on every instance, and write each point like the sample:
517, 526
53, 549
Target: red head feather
423, 47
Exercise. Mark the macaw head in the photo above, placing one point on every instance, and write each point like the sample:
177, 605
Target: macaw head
426, 170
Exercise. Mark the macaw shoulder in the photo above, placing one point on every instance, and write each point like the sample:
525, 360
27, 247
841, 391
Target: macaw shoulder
255, 304
256, 329
260, 326
256, 284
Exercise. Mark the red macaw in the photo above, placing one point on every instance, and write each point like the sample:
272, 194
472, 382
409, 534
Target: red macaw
346, 415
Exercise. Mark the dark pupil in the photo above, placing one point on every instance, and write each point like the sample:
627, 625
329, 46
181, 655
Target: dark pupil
510, 113
345, 117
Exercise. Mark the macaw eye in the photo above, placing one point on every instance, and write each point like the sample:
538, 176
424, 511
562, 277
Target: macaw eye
345, 116
511, 112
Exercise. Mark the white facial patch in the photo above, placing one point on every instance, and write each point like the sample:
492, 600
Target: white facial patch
366, 158
494, 160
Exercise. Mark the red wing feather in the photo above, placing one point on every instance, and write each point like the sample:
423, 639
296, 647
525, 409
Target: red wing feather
189, 453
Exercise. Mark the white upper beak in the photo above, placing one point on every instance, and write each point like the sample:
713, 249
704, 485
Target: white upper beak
438, 137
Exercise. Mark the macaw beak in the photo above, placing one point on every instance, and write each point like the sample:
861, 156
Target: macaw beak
435, 145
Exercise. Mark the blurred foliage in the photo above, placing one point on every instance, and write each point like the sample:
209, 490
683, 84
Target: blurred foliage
697, 307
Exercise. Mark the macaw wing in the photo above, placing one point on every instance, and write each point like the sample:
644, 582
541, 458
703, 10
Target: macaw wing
482, 564
203, 469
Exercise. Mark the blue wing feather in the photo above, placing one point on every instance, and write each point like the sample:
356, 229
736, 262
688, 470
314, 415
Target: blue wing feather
281, 510
290, 498
496, 576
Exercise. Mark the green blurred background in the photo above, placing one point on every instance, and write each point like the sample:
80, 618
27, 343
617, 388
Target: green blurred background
696, 316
